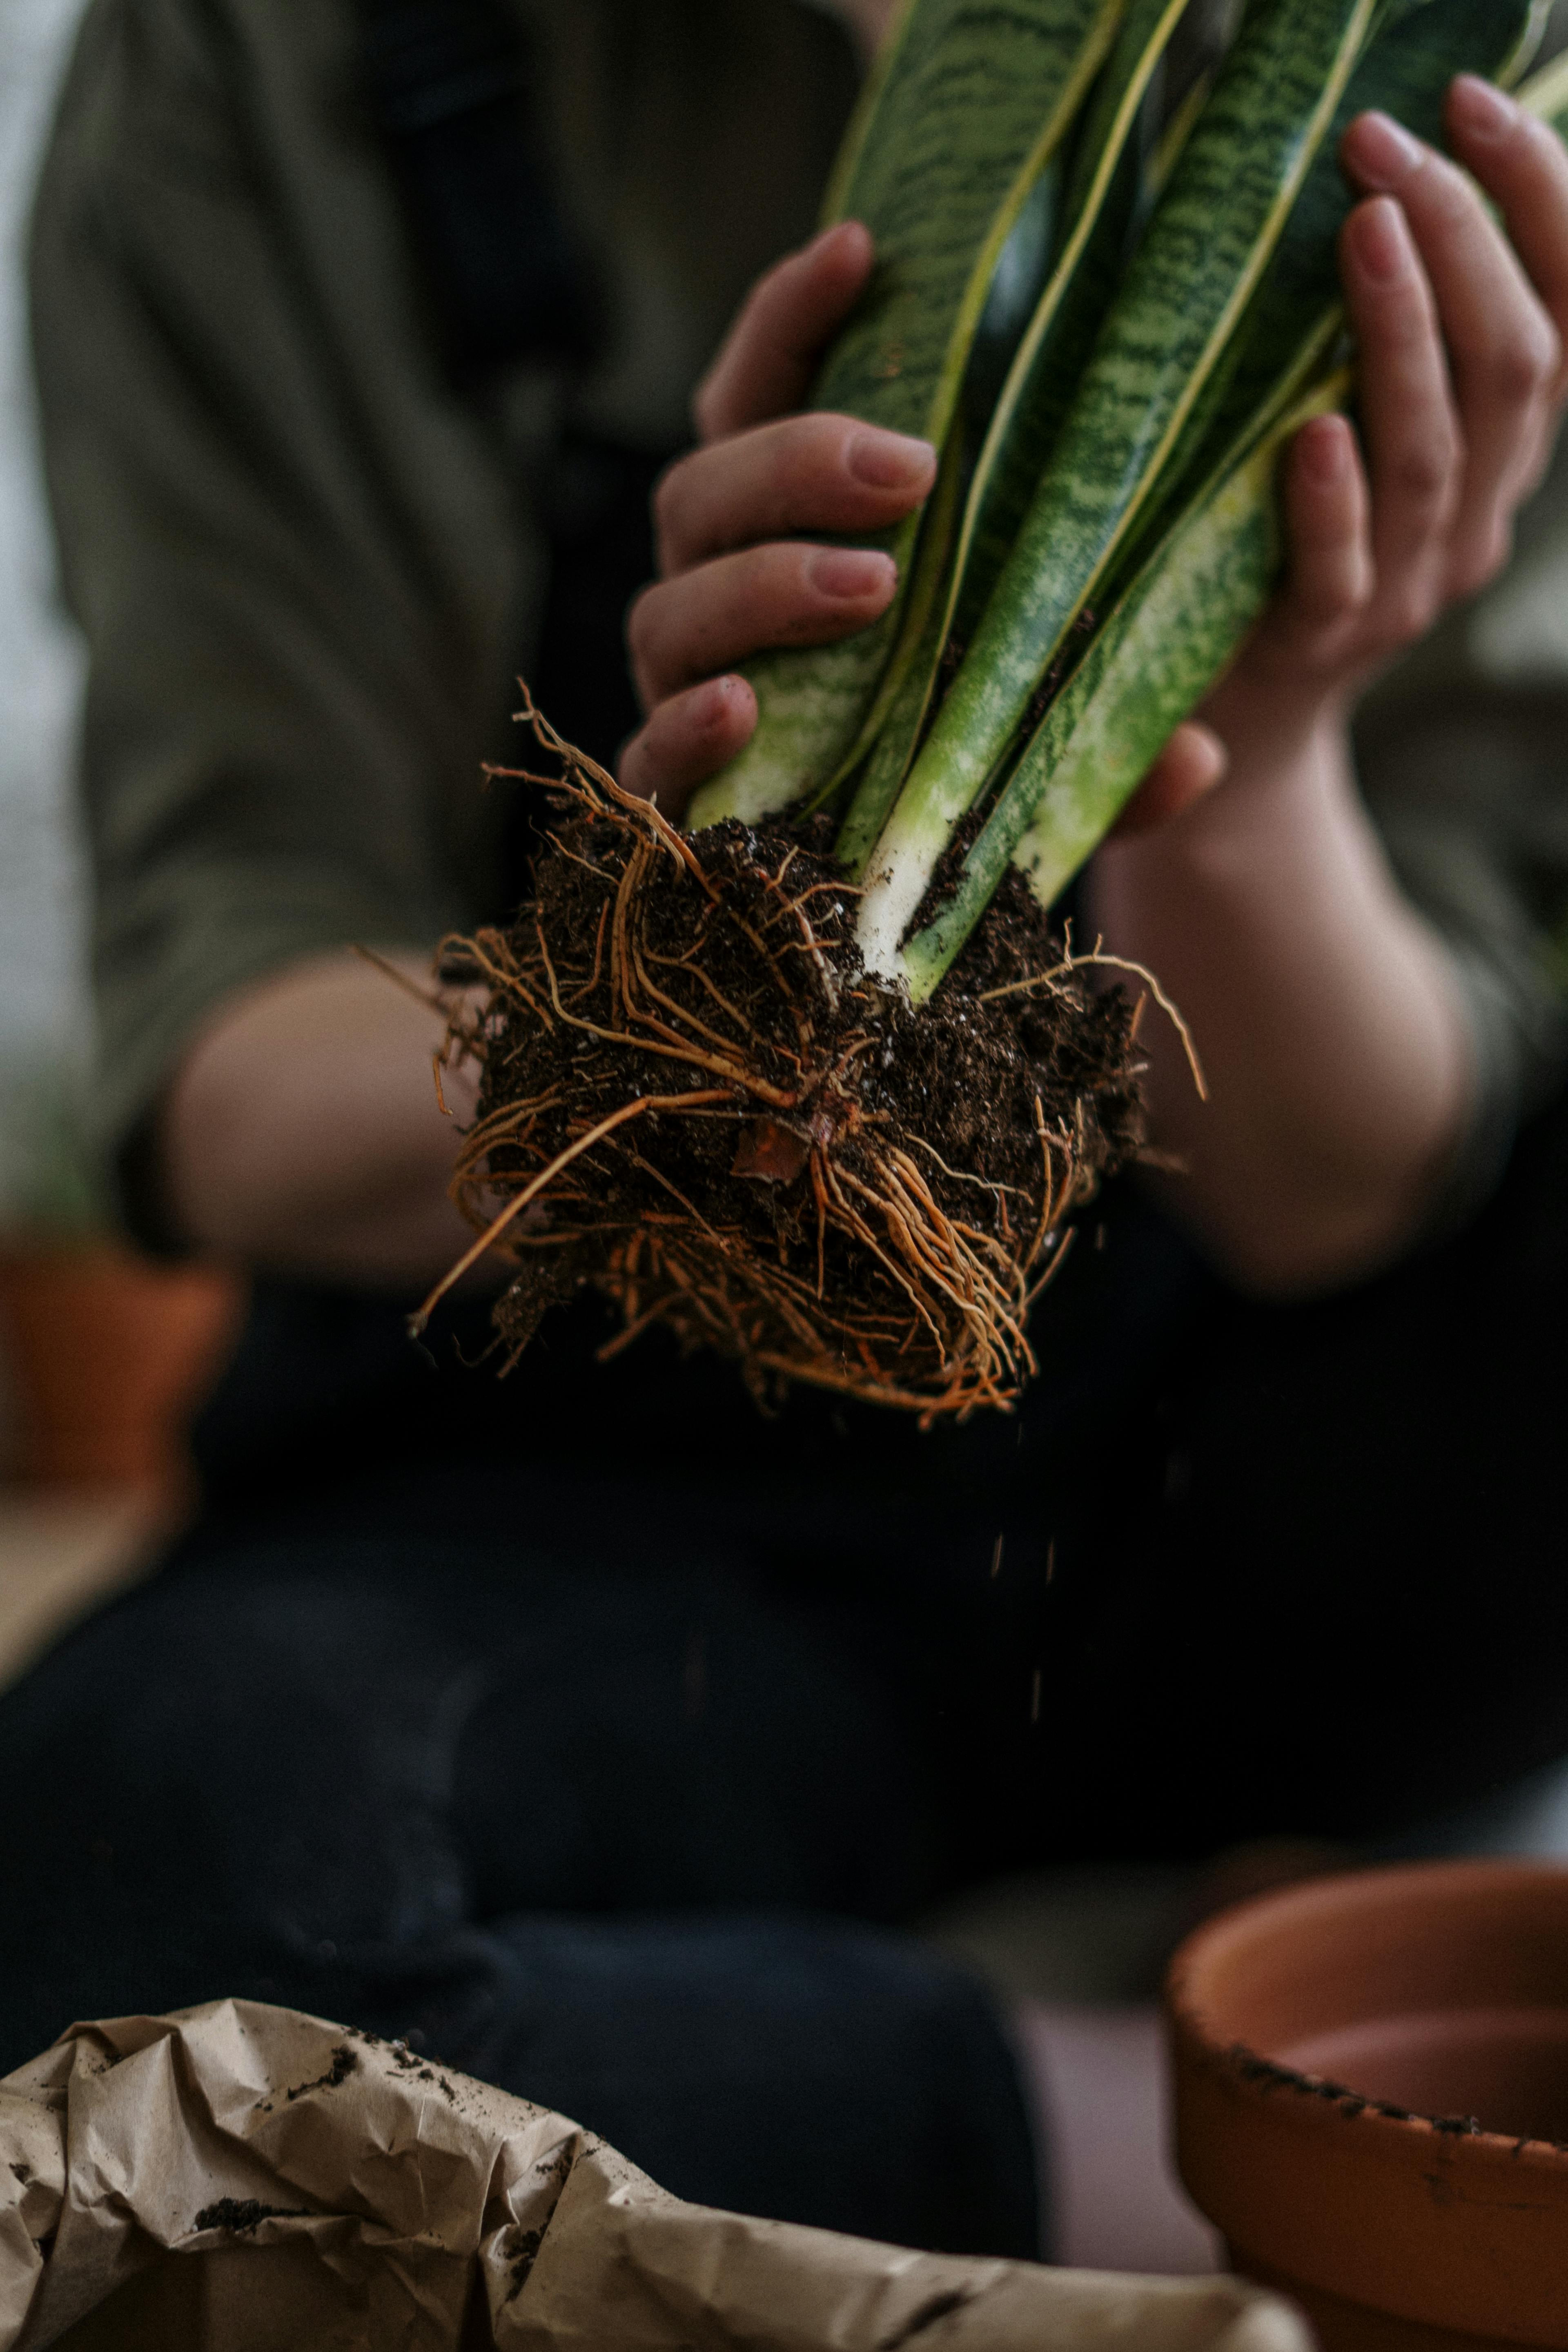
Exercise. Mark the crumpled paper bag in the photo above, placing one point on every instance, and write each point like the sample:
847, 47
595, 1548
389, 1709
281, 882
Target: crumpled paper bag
240, 2178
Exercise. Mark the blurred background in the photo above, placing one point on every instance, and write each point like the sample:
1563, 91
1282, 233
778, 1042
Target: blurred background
97, 1353
43, 992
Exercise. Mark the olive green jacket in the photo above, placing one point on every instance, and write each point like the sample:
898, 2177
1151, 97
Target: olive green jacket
306, 566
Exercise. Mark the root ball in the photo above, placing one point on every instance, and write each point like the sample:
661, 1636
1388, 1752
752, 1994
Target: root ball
694, 1099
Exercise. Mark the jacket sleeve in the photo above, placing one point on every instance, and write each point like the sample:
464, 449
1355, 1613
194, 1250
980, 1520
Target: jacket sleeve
294, 553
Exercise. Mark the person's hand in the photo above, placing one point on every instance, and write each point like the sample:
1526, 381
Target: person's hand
1462, 330
734, 575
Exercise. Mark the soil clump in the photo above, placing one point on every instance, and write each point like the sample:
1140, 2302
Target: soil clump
695, 1098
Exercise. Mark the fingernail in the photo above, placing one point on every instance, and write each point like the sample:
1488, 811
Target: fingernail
839, 234
1381, 245
851, 574
889, 461
1381, 153
1481, 109
718, 701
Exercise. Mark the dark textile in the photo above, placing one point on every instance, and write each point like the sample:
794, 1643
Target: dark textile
1258, 1570
574, 1825
1218, 1523
593, 1731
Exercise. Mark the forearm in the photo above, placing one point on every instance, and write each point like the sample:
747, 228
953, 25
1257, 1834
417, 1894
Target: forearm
303, 1133
1325, 1014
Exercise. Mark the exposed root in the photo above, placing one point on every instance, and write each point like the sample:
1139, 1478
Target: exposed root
693, 1099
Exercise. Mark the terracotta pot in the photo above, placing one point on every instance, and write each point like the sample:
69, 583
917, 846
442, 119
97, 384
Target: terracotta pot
106, 1358
1371, 2101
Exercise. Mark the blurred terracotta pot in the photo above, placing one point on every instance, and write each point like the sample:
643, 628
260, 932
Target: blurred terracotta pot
1371, 2101
106, 1358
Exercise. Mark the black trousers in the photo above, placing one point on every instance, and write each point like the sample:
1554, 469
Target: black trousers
598, 1736
606, 1836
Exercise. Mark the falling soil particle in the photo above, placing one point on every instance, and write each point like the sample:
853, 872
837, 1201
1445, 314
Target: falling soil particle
694, 1099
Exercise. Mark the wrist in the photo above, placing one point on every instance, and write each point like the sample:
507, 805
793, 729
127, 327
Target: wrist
1272, 792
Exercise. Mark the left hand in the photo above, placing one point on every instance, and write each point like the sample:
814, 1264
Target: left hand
1462, 329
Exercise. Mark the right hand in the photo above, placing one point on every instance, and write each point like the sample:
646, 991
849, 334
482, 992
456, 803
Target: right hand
733, 578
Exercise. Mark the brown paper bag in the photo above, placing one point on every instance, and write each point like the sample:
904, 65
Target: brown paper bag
240, 2178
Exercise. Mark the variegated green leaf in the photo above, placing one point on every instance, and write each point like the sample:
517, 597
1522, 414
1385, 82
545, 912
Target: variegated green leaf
1408, 66
1546, 95
973, 99
1098, 214
1191, 606
1205, 251
1155, 657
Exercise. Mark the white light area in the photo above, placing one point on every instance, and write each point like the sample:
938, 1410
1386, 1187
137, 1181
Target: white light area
42, 951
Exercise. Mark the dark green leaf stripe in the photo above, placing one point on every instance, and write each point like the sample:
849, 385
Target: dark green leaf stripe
971, 101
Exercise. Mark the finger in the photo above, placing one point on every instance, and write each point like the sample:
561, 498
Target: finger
710, 619
689, 739
1192, 763
1523, 165
1328, 515
814, 473
1408, 419
768, 357
1503, 347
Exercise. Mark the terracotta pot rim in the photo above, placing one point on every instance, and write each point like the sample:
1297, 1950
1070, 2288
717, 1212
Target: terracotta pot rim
1251, 2074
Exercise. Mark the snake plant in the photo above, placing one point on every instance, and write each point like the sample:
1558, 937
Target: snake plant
1079, 580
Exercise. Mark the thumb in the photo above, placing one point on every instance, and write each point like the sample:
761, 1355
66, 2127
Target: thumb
1192, 763
767, 361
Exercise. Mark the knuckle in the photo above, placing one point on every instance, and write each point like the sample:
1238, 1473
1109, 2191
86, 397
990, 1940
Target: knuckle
669, 494
1333, 603
797, 454
1453, 200
1424, 470
705, 411
1535, 461
1537, 144
642, 624
1478, 564
632, 768
809, 470
1524, 362
1412, 612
